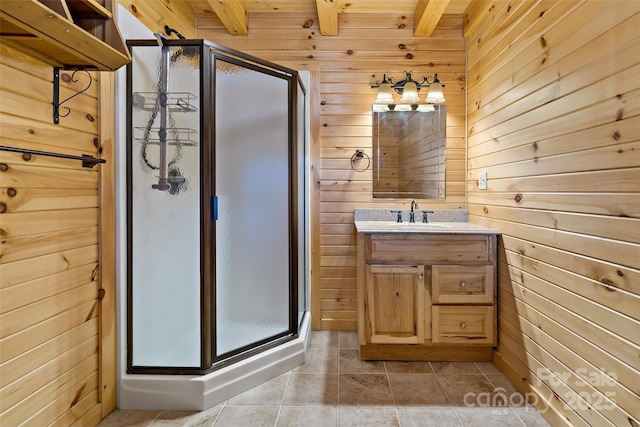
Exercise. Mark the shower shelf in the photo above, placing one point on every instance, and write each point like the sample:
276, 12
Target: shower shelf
175, 136
177, 101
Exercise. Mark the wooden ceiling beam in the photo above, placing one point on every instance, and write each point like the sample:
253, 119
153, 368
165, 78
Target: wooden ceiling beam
328, 17
233, 15
427, 15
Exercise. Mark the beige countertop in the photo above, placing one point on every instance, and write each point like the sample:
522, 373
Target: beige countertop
419, 227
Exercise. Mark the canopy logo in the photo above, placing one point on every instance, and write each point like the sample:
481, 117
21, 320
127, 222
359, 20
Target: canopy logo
581, 389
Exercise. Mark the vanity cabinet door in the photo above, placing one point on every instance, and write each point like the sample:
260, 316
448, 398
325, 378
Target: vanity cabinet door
395, 304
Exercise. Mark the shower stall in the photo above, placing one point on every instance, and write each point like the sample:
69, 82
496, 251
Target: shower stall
217, 258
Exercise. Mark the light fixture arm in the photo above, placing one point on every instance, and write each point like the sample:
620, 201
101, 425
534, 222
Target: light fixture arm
425, 81
384, 80
398, 86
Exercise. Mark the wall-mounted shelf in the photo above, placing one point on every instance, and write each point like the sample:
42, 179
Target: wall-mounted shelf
67, 33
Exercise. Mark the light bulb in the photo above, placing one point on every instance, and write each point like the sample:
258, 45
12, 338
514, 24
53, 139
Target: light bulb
403, 107
380, 108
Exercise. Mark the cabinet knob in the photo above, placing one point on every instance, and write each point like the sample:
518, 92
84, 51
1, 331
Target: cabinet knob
463, 284
420, 276
463, 325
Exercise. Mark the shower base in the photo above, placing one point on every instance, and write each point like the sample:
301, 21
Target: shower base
200, 392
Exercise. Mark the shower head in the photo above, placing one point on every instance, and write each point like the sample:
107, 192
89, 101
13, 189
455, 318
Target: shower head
190, 52
168, 30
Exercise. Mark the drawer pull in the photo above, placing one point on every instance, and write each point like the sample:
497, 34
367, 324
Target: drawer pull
463, 325
463, 284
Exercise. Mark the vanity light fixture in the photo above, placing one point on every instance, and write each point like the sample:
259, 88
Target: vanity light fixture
409, 90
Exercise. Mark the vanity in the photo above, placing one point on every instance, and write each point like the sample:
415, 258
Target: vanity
426, 291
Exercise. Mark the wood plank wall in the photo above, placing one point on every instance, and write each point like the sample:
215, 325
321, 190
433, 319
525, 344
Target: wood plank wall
345, 67
49, 321
554, 118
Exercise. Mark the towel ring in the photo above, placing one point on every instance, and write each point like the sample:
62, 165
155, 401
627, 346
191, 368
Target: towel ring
359, 155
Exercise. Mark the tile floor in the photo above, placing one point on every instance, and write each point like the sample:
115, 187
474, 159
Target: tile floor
334, 388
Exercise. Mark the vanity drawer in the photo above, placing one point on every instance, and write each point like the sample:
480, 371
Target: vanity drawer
463, 324
462, 284
427, 249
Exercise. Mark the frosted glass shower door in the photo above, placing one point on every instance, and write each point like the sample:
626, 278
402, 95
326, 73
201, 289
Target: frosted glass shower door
252, 188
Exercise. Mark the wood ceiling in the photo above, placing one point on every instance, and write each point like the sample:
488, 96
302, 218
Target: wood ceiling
234, 14
427, 13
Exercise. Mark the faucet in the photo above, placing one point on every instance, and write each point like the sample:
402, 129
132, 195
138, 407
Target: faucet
414, 204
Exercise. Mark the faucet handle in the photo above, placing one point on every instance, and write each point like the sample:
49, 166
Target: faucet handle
424, 216
399, 215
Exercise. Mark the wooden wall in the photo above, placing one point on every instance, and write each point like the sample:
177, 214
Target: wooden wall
343, 69
554, 118
50, 327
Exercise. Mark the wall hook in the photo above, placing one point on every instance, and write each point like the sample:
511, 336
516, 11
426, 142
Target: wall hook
56, 92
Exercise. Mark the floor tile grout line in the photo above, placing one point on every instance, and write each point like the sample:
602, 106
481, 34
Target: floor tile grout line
284, 394
215, 420
155, 419
222, 406
444, 390
496, 389
518, 416
506, 398
393, 398
458, 416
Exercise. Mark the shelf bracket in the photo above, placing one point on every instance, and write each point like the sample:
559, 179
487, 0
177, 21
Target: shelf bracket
56, 93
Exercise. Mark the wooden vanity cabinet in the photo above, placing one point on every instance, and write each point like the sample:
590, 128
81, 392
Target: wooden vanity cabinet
424, 296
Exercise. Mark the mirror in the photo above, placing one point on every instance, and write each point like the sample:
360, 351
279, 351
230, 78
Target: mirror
409, 152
